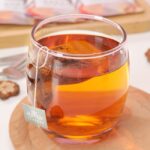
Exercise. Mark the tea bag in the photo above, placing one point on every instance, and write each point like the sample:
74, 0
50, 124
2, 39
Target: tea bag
32, 114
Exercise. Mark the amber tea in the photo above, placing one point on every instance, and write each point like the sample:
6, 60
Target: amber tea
82, 98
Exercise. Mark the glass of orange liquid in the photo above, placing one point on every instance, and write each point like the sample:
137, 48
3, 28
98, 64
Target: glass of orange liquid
82, 75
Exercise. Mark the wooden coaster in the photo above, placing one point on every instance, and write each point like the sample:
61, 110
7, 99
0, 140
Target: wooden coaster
132, 133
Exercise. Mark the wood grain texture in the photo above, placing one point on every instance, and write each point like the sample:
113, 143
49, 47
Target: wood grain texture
132, 132
13, 35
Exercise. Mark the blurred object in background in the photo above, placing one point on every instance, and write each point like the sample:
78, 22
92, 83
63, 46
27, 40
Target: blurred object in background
148, 1
40, 9
14, 12
108, 8
30, 11
147, 54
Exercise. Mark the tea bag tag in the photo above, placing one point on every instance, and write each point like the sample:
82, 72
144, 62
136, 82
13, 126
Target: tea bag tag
31, 113
35, 116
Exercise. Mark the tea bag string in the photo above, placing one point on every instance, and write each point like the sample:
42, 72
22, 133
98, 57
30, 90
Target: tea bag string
43, 48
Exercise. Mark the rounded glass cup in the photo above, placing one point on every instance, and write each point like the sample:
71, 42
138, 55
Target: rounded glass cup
77, 73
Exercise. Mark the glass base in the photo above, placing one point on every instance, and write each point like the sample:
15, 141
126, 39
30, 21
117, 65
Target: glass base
78, 140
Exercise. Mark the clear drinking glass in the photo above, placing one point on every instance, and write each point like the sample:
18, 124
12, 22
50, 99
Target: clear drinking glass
82, 75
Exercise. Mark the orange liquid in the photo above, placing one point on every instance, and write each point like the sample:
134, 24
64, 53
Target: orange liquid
82, 98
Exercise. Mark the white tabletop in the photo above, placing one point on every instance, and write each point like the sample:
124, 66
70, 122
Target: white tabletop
139, 77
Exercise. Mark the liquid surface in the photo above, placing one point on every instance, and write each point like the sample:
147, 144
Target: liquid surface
78, 43
82, 98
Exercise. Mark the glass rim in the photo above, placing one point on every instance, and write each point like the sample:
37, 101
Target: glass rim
79, 56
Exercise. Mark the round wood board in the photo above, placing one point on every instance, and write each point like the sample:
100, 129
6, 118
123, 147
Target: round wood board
132, 133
